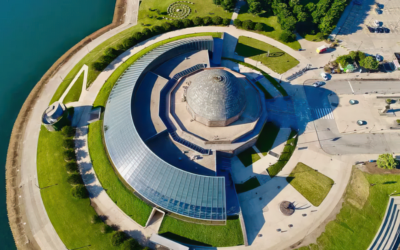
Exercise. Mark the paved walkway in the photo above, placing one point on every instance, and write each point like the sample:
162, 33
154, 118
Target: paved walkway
37, 219
85, 71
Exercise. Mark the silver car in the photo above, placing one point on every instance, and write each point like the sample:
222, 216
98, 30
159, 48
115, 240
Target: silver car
317, 84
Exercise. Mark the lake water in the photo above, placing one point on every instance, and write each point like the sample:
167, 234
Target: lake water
33, 35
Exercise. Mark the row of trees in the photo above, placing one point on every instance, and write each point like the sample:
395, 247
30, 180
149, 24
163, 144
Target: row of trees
293, 15
111, 53
250, 25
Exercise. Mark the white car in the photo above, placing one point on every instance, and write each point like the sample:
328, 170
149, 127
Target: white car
317, 84
377, 23
324, 76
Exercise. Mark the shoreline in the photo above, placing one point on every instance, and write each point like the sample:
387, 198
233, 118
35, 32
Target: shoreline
22, 233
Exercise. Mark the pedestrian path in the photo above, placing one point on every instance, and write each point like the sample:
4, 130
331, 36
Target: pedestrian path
84, 70
322, 113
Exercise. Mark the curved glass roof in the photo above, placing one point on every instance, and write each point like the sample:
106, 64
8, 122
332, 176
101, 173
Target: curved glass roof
175, 190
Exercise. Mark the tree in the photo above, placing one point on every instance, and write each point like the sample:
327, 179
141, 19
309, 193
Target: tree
237, 23
386, 161
147, 32
310, 7
344, 60
99, 66
360, 56
287, 37
118, 238
158, 29
128, 43
137, 36
217, 2
167, 26
353, 55
132, 244
217, 20
178, 24
207, 20
68, 131
95, 219
289, 23
69, 155
302, 17
68, 143
75, 179
71, 167
111, 52
248, 25
369, 63
105, 229
228, 5
255, 8
80, 192
197, 21
259, 27
226, 21
187, 23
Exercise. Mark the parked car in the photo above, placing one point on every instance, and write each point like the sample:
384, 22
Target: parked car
361, 122
378, 57
378, 11
352, 101
386, 30
371, 29
377, 23
325, 76
318, 84
379, 30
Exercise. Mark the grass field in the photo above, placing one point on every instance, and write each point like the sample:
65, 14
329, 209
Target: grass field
248, 157
221, 236
76, 90
267, 137
285, 155
69, 216
272, 27
129, 203
250, 184
199, 8
278, 60
361, 214
313, 185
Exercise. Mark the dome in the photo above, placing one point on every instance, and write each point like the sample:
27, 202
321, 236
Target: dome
216, 95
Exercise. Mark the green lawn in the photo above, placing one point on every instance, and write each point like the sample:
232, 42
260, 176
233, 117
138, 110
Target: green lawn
268, 77
69, 216
278, 60
199, 8
267, 137
272, 27
102, 97
285, 155
362, 212
76, 90
185, 232
313, 38
250, 184
129, 203
313, 185
248, 157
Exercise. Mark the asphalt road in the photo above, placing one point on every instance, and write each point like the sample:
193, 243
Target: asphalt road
330, 139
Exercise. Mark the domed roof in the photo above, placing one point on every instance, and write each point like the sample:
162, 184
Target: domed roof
216, 95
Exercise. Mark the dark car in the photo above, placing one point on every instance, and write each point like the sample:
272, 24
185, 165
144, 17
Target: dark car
379, 30
386, 30
371, 29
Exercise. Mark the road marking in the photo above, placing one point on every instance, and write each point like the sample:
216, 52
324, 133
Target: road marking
322, 113
351, 87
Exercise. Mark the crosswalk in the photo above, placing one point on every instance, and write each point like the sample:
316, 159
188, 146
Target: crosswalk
322, 113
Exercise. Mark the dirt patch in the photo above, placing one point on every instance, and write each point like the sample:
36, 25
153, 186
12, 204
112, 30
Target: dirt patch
16, 211
372, 168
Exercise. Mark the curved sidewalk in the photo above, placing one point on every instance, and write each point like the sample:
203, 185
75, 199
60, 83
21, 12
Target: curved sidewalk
38, 221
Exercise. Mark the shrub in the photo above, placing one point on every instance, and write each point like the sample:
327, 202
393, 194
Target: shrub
158, 29
237, 23
178, 24
118, 238
386, 161
187, 23
68, 131
106, 59
360, 55
80, 192
95, 219
111, 52
327, 69
137, 36
207, 20
69, 155
68, 143
226, 21
217, 20
167, 26
197, 21
248, 25
398, 121
128, 43
99, 66
71, 167
105, 229
287, 37
353, 55
344, 60
147, 32
369, 63
132, 244
75, 179
259, 27
388, 101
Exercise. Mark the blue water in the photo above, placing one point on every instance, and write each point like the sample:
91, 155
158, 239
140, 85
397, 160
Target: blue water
33, 35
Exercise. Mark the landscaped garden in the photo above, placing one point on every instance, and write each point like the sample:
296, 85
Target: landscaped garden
272, 57
310, 183
361, 215
248, 157
288, 150
75, 92
267, 137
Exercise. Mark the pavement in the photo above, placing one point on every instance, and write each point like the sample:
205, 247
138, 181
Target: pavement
37, 219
